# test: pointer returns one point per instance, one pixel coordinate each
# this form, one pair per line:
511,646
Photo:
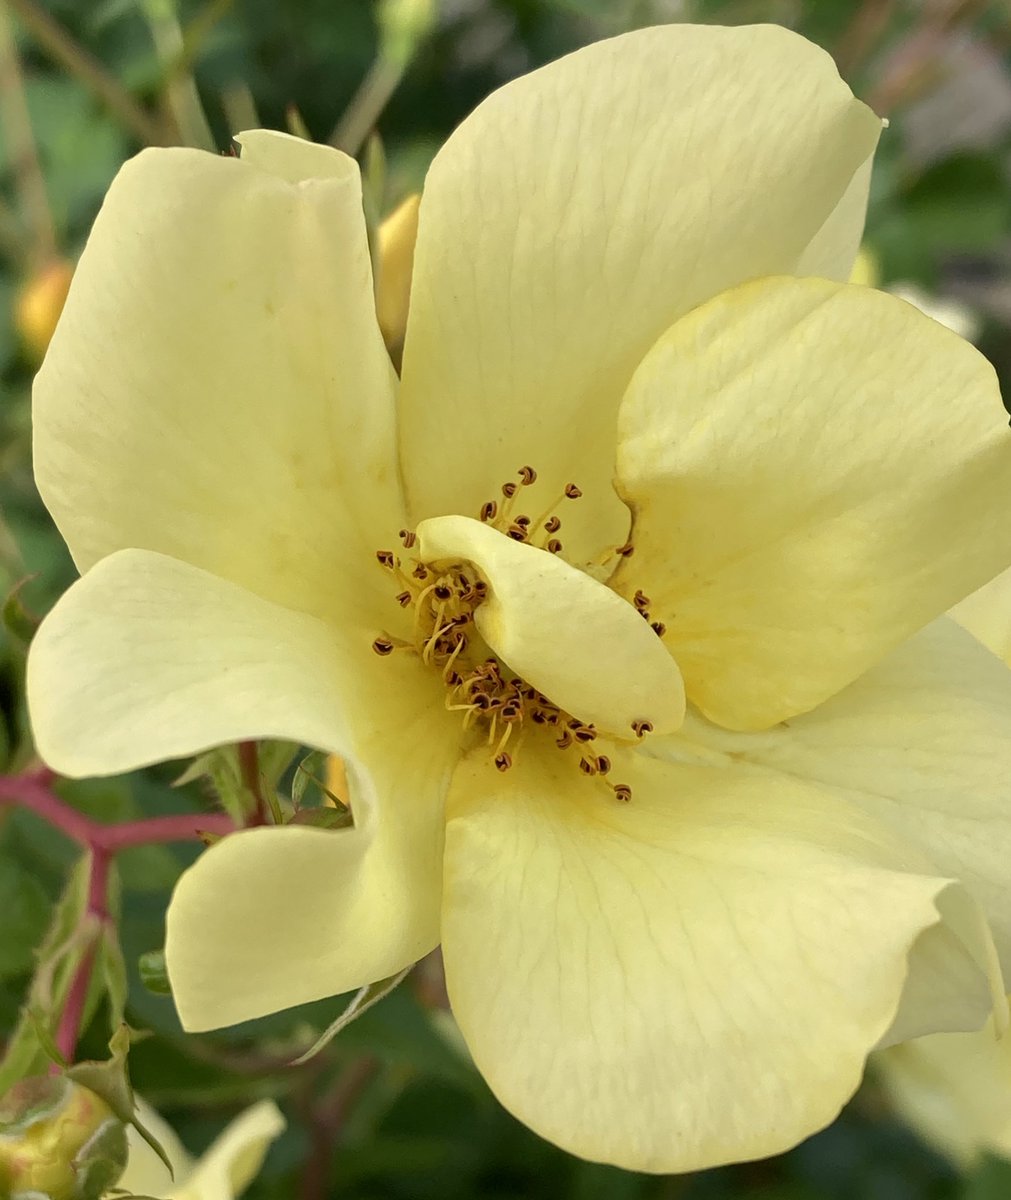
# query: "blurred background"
392,1108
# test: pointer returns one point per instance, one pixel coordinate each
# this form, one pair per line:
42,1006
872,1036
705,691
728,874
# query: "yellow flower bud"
39,304
58,1140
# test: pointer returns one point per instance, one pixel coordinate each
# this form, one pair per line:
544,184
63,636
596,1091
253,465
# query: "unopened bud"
58,1141
39,304
403,24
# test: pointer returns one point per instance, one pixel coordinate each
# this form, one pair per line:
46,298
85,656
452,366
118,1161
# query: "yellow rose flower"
646,715
223,1173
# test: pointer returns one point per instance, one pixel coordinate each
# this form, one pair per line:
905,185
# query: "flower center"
523,640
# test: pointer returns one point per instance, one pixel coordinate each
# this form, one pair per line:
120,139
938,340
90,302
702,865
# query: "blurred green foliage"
423,1123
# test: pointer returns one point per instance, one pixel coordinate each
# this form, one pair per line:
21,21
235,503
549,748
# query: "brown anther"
454,679
489,510
625,551
480,587
510,711
658,627
641,601
420,571
588,766
517,533
503,761
404,599
553,546
572,492
564,741
553,524
386,558
523,521
408,537
538,717
639,728
603,764
527,476
509,489
622,792
585,733
442,592
382,646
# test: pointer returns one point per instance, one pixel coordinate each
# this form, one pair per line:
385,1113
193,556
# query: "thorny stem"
33,791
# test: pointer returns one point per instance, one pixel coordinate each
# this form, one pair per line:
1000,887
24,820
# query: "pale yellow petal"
834,252
147,658
564,633
577,213
954,1089
397,235
987,615
814,469
921,743
232,1162
217,388
693,978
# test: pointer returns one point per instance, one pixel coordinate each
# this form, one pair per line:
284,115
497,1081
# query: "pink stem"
30,792
69,1029
33,791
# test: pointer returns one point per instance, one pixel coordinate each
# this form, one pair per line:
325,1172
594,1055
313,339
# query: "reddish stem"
34,792
69,1029
31,792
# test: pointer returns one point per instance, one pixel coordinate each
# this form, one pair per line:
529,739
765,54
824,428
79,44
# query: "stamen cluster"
444,598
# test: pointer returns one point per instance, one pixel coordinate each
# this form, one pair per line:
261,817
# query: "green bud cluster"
58,1141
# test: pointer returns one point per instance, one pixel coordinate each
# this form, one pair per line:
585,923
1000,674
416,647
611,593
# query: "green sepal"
111,1081
361,1002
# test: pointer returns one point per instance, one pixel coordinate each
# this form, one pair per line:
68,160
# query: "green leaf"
29,1050
18,619
362,1001
25,907
323,817
153,973
991,1180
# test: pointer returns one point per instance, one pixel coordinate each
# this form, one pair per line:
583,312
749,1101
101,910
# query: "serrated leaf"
323,817
362,1001
29,1050
26,910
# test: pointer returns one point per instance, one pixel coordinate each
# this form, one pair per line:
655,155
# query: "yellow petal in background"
218,388
222,1173
954,1089
813,469
693,978
397,235
569,636
577,213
